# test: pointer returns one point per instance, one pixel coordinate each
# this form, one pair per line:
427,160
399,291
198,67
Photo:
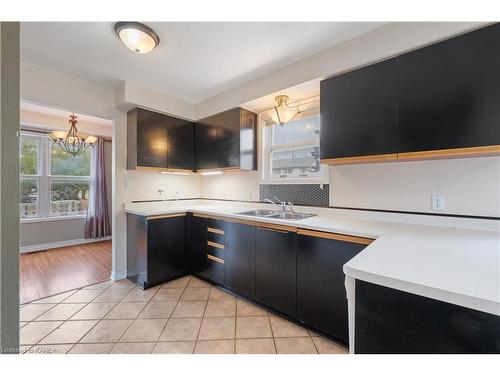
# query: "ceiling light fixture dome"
137,36
282,113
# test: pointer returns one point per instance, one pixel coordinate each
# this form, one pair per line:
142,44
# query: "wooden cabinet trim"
286,228
335,236
215,259
154,217
215,230
465,152
215,244
451,153
360,159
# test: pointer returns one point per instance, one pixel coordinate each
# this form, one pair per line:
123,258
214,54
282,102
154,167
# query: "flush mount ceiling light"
282,113
72,141
137,36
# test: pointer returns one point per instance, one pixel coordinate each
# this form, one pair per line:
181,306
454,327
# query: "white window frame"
45,178
266,177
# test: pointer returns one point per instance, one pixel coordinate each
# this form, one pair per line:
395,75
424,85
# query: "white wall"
59,90
381,43
145,185
231,185
469,186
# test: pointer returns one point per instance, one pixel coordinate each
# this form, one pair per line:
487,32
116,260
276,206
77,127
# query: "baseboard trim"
115,276
52,245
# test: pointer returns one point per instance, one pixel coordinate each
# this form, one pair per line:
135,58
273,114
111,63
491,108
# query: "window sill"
51,218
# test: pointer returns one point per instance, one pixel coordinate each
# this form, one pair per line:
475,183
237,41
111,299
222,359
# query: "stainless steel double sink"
272,214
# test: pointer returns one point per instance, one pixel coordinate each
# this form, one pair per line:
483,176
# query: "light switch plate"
438,202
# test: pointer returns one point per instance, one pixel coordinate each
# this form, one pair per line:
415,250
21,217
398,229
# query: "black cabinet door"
180,144
321,295
240,258
359,112
449,93
151,139
206,147
275,269
228,137
166,249
197,250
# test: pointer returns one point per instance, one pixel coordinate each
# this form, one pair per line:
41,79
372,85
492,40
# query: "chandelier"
72,141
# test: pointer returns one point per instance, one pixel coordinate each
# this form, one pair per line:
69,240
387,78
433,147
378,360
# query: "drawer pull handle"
275,230
215,259
214,230
215,244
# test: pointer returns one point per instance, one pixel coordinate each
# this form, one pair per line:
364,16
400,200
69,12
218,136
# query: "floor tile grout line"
199,329
131,324
170,316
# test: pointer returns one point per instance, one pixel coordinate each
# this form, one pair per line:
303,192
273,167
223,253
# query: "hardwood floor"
45,273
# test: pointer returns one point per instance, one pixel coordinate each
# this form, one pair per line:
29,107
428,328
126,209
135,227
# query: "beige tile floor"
183,316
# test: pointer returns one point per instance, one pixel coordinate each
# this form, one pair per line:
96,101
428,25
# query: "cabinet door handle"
275,230
215,259
215,230
215,244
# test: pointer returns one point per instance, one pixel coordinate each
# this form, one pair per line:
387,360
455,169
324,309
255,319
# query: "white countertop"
459,266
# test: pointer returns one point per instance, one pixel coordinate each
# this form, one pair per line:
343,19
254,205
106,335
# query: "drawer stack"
215,250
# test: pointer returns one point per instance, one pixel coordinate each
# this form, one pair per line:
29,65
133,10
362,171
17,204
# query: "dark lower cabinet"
197,251
155,249
275,269
206,259
240,258
321,294
390,321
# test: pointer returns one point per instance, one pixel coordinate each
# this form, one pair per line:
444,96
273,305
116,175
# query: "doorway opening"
64,203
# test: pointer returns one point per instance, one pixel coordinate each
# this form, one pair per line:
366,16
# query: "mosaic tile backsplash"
304,194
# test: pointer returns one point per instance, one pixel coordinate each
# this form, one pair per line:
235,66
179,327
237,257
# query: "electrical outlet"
438,202
176,195
247,195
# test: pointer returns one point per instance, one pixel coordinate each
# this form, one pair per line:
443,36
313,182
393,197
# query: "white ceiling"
194,61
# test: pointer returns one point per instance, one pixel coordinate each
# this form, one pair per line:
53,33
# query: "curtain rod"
39,131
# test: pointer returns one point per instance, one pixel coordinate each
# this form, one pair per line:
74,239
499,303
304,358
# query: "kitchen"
352,207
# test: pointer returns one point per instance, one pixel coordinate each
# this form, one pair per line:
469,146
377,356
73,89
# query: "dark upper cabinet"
205,147
159,141
359,112
146,139
321,294
449,93
227,140
180,144
275,269
240,258
156,250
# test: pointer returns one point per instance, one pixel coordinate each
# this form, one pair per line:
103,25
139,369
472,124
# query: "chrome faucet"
270,201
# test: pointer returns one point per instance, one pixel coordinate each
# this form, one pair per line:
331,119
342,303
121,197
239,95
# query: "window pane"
28,200
28,151
68,197
64,164
306,129
296,162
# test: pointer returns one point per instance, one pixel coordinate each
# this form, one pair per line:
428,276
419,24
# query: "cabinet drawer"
215,224
213,270
215,251
215,237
